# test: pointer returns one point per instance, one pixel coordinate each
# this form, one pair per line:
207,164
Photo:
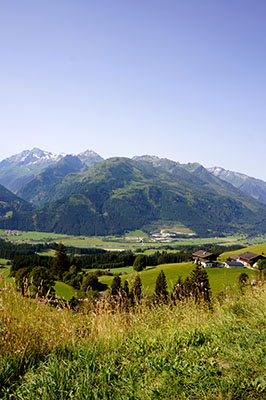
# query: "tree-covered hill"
120,194
11,205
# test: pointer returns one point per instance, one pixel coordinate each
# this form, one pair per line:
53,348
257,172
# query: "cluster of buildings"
12,233
241,260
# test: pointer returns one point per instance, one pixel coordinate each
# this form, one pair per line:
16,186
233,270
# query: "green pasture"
64,291
4,261
219,277
122,270
136,233
4,273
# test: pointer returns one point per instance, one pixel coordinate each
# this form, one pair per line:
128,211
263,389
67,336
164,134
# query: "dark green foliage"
60,261
161,293
72,277
120,194
243,279
104,260
10,203
197,285
30,262
140,263
116,286
261,265
90,283
41,281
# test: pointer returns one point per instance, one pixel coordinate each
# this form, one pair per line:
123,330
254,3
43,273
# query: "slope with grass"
219,278
164,352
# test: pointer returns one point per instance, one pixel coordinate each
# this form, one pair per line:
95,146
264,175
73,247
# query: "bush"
140,263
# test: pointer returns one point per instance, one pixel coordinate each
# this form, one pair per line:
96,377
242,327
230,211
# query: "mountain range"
86,195
21,168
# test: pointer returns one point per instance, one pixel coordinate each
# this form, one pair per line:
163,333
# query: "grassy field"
3,261
219,278
64,291
122,270
154,352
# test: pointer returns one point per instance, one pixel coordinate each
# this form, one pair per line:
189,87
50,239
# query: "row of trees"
196,285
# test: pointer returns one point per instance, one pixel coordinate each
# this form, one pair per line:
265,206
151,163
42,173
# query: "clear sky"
182,79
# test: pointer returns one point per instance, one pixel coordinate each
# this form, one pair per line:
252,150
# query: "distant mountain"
46,186
120,194
18,170
253,187
11,206
90,158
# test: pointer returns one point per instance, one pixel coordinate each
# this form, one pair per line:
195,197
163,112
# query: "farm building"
234,264
247,259
204,258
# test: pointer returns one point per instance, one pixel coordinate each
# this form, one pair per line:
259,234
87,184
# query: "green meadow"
219,278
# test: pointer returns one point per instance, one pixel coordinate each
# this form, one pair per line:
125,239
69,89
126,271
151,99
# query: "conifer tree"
60,261
199,285
161,292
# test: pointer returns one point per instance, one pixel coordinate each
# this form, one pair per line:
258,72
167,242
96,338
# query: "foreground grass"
158,352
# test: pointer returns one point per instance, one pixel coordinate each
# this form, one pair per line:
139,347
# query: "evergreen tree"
198,284
140,262
161,292
136,290
90,283
116,286
60,261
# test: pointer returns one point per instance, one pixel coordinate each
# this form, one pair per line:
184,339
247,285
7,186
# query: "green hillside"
11,205
120,195
219,277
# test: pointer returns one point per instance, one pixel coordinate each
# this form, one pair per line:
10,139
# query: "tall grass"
183,351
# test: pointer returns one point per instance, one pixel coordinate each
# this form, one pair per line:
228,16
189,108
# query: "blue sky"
184,80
